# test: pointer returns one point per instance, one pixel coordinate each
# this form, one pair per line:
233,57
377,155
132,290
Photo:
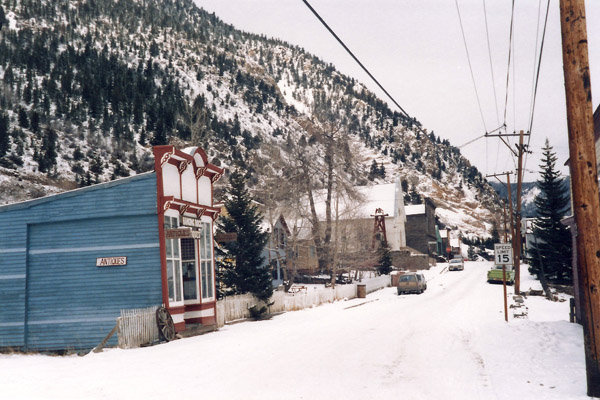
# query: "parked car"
412,282
495,274
456,264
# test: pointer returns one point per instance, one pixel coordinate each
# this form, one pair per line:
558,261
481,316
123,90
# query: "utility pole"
506,239
517,237
505,231
510,205
584,179
510,211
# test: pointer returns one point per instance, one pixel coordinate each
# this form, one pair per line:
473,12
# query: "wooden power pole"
584,179
516,228
505,228
517,236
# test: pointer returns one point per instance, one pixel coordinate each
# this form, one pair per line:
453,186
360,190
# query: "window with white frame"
189,269
174,281
206,261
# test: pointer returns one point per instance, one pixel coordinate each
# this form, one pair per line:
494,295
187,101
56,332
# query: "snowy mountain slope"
530,192
89,86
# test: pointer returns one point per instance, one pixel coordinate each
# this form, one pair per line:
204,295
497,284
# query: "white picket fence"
235,308
137,326
377,283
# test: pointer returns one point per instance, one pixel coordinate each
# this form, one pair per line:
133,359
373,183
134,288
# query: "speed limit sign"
503,254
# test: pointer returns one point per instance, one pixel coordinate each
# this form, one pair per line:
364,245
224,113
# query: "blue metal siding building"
52,294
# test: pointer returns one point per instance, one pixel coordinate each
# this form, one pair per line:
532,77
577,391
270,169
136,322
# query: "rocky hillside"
87,86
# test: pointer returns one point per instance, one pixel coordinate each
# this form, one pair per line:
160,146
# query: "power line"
537,79
535,53
470,67
417,126
487,33
355,58
512,18
539,64
510,61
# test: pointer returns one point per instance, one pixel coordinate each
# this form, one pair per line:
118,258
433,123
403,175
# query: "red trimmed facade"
185,181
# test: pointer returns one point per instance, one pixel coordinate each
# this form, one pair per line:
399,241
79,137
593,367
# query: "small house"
275,252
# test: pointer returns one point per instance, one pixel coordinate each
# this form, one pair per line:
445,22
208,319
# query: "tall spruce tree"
243,270
551,252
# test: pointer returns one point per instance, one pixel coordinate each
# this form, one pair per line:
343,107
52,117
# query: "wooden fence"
235,308
137,326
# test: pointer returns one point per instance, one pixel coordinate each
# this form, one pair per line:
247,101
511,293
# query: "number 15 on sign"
503,254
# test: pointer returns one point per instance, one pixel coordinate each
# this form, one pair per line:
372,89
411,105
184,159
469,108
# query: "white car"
456,264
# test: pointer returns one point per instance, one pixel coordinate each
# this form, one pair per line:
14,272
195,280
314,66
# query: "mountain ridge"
90,85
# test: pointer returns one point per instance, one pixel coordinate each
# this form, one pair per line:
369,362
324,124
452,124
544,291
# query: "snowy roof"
388,197
415,209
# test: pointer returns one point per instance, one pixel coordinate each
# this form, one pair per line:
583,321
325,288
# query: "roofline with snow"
75,192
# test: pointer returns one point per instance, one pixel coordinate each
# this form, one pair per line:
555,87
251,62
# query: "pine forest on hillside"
88,86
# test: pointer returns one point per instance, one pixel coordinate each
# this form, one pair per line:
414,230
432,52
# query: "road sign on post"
503,254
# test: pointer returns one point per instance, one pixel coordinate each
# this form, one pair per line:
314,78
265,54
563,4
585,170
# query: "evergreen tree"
384,259
243,270
471,253
2,17
48,153
551,252
374,171
97,168
495,234
415,197
4,135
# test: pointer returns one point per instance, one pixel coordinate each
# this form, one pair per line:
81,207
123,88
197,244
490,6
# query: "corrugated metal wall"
52,294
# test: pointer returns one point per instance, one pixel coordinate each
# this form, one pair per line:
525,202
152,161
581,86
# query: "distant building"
421,227
275,252
355,224
528,237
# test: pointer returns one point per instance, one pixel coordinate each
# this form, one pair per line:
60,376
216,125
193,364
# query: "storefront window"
206,261
188,261
173,264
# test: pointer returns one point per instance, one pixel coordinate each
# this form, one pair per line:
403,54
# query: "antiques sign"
182,233
110,261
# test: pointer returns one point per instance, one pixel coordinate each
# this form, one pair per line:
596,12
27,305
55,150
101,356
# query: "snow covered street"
450,342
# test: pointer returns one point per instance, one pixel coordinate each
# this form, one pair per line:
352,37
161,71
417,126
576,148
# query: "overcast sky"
416,51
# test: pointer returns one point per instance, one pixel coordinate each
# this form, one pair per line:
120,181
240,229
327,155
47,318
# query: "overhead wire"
537,79
470,66
535,55
355,58
487,34
508,75
512,17
510,61
316,14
